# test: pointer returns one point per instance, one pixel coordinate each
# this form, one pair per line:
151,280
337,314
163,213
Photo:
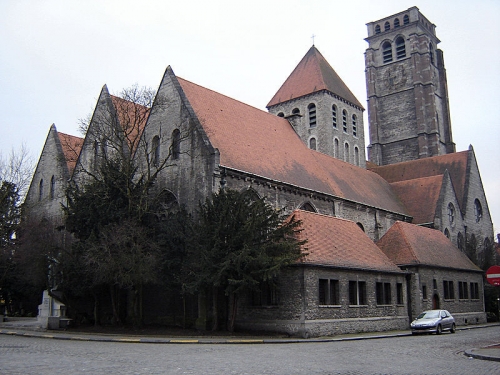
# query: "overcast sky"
55,56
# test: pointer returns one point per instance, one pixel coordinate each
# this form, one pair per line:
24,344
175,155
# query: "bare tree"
17,169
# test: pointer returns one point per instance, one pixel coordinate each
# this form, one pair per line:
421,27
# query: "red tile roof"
420,197
132,118
412,245
455,163
340,243
313,74
71,147
262,144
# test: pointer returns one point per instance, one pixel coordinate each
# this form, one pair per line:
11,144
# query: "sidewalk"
31,328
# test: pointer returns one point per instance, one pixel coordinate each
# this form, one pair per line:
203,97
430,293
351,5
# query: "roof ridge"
405,239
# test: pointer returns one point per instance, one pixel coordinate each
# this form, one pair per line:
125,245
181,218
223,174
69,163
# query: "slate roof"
455,163
266,145
420,197
313,74
412,245
340,243
71,147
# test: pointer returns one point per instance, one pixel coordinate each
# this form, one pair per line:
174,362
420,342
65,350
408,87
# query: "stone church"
387,237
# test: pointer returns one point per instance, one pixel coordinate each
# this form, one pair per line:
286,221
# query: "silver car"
433,321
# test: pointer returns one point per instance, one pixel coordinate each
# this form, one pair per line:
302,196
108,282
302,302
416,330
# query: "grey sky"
55,56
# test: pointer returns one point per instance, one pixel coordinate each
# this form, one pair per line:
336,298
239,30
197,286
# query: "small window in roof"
295,111
387,52
400,48
361,226
307,207
387,26
396,22
406,19
312,115
447,233
377,29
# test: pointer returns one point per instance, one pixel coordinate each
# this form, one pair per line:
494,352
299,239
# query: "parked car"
433,321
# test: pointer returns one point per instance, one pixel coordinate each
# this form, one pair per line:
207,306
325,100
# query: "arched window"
52,187
155,151
96,153
377,29
406,20
312,115
478,210
295,111
387,26
176,144
336,148
460,241
431,52
344,121
334,116
361,226
354,126
400,48
396,22
312,143
447,233
356,156
451,214
387,52
281,114
346,152
40,190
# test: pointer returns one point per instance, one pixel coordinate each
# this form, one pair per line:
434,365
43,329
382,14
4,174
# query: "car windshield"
429,315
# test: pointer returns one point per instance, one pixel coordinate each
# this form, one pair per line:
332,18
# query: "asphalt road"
429,354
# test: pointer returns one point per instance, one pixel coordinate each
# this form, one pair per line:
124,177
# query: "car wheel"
453,328
439,329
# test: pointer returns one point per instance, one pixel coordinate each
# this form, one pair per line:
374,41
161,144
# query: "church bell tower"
408,107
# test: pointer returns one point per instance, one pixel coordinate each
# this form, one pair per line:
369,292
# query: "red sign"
493,275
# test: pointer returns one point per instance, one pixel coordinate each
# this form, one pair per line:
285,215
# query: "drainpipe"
409,300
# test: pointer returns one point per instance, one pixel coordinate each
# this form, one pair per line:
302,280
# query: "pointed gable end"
412,245
313,74
340,243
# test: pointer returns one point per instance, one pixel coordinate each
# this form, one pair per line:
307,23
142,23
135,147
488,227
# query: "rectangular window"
424,291
399,294
383,293
329,292
463,290
449,291
357,293
474,290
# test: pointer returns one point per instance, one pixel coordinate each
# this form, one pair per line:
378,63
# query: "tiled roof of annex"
262,144
455,163
412,245
313,74
339,243
420,197
71,147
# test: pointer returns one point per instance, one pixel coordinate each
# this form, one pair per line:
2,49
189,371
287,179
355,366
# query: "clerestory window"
354,126
344,121
334,116
377,29
387,26
312,143
396,23
406,19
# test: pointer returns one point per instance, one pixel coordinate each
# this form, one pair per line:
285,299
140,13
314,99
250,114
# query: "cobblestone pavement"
429,354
